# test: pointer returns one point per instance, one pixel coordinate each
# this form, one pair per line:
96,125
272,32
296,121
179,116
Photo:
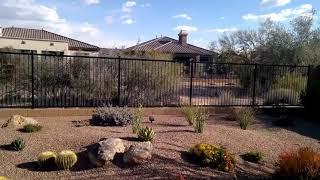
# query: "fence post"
119,80
254,85
310,67
191,79
32,80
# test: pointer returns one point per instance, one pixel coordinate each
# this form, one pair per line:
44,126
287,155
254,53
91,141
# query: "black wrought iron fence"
39,80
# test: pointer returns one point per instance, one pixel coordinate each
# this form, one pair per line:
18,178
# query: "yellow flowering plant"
212,156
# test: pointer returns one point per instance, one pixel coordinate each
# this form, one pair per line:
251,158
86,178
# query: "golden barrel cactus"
66,159
47,159
3,178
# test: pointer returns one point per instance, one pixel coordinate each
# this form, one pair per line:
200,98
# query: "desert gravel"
173,137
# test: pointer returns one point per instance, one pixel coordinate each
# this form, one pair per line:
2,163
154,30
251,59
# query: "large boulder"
17,122
105,151
138,153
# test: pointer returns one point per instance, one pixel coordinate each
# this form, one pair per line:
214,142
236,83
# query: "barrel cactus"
66,159
146,134
18,144
3,178
47,159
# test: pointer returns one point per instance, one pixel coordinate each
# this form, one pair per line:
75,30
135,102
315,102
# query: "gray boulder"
138,153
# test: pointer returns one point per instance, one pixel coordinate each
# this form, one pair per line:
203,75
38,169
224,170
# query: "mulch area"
173,138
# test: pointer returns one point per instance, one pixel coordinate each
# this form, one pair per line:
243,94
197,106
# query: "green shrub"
66,159
151,81
189,113
212,156
278,97
112,116
245,116
47,159
199,120
30,128
146,134
312,95
137,119
18,144
294,81
253,156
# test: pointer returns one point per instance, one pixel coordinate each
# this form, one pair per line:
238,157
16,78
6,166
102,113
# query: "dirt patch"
173,138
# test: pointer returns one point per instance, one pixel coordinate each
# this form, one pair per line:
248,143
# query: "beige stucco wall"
37,45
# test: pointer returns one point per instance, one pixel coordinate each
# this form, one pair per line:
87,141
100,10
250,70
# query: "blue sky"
113,23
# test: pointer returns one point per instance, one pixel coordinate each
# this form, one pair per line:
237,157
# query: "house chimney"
183,37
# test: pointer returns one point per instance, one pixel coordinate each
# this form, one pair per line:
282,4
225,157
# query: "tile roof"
40,34
167,44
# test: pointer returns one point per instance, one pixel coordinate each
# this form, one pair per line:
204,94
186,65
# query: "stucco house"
181,49
44,42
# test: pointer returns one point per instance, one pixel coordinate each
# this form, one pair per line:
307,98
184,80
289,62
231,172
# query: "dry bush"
244,115
301,164
189,113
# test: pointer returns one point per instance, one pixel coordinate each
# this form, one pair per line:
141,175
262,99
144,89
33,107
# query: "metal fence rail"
39,80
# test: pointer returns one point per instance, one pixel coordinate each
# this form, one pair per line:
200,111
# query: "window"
27,51
52,52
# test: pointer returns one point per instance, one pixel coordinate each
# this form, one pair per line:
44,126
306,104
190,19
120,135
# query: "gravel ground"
173,137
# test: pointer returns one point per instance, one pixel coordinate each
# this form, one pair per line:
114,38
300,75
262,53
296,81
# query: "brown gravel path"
173,137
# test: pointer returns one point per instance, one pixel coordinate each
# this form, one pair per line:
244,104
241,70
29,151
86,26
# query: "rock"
138,153
105,151
17,122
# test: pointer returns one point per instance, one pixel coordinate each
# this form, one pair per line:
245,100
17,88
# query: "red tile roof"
38,34
167,44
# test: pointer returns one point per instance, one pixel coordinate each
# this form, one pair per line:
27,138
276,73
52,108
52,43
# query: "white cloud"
182,16
283,15
28,10
109,19
127,6
29,14
185,27
128,21
274,3
90,2
221,30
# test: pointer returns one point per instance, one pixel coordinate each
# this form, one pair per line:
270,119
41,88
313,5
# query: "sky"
118,23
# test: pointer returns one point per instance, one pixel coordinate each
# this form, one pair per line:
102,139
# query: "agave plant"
146,134
18,144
